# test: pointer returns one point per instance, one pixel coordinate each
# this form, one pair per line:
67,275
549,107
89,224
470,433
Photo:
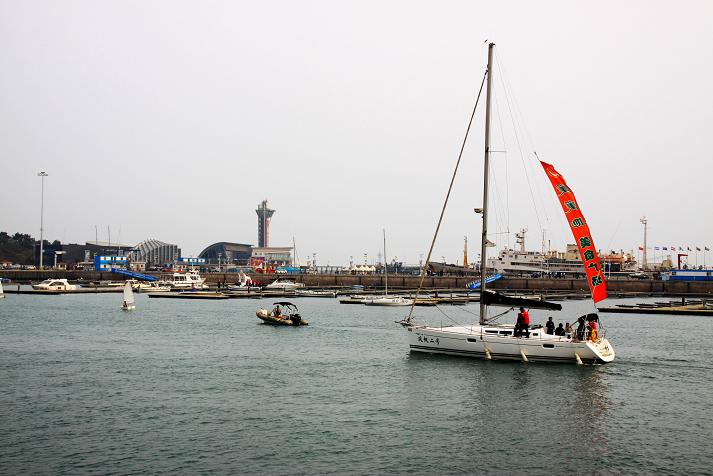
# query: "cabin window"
535,334
548,346
505,333
490,331
472,339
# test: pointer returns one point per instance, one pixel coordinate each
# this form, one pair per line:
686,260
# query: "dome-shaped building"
225,252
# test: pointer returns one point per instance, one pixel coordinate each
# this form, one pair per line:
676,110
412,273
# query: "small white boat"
128,304
54,285
2,293
389,301
315,293
148,287
284,285
188,280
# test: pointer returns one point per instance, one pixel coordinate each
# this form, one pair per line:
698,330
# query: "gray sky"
173,120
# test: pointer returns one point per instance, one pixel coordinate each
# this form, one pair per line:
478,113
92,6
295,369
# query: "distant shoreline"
621,287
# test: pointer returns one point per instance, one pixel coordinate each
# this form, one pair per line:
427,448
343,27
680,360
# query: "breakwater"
635,286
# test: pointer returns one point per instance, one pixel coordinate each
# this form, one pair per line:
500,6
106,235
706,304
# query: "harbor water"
186,386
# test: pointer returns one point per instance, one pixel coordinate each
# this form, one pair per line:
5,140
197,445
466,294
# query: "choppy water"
201,386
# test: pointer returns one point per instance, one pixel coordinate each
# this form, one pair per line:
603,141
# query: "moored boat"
284,285
54,285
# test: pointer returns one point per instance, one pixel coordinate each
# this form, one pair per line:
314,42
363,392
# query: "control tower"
263,224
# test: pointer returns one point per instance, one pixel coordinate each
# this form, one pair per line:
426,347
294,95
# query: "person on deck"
550,326
567,328
276,311
523,318
592,328
580,328
560,330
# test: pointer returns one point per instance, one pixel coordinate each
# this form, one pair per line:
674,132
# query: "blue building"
107,263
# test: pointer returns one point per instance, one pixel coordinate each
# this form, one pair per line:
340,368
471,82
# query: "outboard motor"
296,319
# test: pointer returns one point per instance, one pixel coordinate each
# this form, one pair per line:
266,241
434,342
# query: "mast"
484,237
386,269
644,265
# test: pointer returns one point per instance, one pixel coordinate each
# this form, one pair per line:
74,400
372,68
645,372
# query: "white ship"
523,262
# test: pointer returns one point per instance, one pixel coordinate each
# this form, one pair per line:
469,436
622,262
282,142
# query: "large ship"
533,263
520,262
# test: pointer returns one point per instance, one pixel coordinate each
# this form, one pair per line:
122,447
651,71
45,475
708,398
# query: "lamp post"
42,175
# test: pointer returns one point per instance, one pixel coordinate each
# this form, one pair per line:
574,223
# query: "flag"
680,248
580,230
656,247
641,248
698,249
665,249
707,249
688,248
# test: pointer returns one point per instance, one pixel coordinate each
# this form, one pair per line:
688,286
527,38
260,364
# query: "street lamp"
42,213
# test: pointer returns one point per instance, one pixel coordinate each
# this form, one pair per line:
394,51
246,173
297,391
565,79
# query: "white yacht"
54,285
284,285
187,280
491,340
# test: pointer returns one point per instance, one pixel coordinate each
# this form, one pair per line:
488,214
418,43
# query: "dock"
40,292
189,295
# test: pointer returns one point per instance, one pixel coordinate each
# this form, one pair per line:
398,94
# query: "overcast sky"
173,120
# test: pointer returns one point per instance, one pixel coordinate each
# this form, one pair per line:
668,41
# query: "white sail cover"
128,294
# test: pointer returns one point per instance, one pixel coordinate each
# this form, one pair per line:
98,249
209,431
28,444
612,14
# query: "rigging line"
449,317
500,208
564,230
519,146
614,234
520,124
495,193
507,180
520,118
448,194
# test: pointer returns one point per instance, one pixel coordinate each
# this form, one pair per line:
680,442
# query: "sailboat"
490,340
128,304
387,300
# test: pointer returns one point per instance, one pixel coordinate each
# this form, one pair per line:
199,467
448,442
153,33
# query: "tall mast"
386,269
484,237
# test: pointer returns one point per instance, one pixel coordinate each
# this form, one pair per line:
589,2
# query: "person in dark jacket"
550,326
560,330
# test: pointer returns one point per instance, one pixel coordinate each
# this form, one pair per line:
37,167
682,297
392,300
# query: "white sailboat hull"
388,301
493,343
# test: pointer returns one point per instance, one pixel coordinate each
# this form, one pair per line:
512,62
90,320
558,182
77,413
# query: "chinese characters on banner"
580,230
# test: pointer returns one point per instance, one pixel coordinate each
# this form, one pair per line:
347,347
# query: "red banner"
580,230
